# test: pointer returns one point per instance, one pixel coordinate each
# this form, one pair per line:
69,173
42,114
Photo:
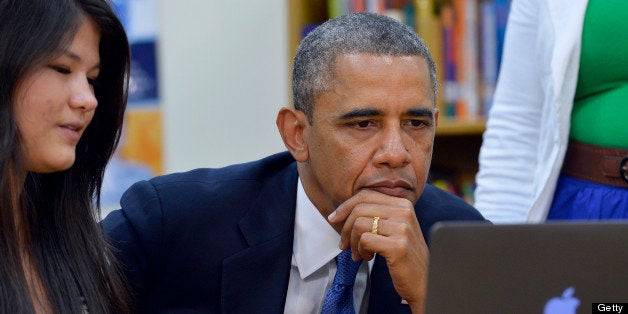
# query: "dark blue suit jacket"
220,240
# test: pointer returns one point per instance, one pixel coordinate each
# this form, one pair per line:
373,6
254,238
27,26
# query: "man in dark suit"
262,237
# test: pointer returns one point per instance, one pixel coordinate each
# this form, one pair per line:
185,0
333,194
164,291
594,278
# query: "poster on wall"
139,155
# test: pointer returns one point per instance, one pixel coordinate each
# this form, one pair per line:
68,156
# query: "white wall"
223,70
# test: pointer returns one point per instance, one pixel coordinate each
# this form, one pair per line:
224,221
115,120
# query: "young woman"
64,67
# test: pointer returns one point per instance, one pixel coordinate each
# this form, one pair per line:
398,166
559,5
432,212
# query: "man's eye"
418,123
363,124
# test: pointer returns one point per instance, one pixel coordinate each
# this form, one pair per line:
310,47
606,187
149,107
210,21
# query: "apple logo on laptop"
565,304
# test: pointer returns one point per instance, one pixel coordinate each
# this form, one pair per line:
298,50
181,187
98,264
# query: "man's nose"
393,151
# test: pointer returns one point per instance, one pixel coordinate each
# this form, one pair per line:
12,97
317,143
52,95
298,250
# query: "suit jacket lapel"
383,298
256,279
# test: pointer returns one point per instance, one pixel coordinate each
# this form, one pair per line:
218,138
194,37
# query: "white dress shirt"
313,262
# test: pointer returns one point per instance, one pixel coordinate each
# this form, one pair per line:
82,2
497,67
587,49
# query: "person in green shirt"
556,144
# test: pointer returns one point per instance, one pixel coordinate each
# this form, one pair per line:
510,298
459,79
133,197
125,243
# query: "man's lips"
398,188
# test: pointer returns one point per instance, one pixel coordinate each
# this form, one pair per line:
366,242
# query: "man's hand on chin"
398,238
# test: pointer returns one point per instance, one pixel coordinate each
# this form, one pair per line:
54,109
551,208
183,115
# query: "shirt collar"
315,241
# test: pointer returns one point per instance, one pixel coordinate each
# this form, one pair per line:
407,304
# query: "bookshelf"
448,127
462,120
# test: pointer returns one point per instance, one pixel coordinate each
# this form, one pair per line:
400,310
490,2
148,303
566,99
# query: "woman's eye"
60,69
92,81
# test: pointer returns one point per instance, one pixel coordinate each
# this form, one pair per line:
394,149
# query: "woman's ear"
290,123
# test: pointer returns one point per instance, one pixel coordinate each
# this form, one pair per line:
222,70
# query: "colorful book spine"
428,26
334,8
409,14
358,5
450,85
469,103
488,61
376,6
502,8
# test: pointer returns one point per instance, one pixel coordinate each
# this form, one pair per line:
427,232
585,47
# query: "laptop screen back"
527,268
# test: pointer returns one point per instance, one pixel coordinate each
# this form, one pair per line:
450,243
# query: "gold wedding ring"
375,225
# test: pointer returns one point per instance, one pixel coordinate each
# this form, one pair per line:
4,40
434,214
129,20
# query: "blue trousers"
583,200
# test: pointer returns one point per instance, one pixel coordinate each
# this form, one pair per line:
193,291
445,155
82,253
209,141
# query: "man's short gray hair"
350,34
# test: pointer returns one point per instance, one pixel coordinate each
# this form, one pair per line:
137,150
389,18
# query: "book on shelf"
471,38
466,58
494,16
488,61
502,8
401,10
448,77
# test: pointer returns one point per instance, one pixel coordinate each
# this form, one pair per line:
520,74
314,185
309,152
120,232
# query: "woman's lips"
71,131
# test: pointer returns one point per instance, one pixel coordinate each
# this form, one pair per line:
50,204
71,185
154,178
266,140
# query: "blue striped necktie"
339,299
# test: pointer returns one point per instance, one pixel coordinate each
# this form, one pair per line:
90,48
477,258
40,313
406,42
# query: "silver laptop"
561,267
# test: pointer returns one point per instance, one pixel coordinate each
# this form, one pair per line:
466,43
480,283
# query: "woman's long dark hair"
52,217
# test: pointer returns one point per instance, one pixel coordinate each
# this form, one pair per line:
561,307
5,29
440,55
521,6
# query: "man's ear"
291,123
436,111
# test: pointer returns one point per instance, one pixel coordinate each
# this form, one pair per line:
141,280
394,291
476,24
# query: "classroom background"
208,77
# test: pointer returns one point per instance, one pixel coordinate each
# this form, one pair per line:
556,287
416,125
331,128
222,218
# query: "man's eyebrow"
361,113
420,112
